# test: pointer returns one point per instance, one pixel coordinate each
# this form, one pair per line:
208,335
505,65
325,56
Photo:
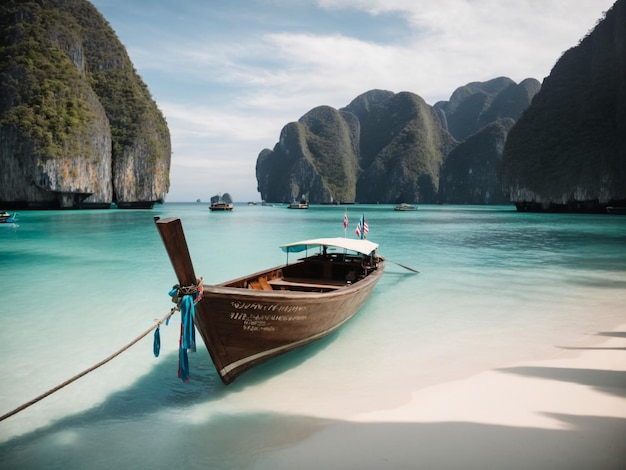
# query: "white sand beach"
563,412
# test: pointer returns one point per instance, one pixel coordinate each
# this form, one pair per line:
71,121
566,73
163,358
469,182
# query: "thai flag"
345,219
362,227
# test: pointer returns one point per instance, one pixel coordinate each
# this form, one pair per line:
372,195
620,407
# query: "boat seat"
285,284
260,284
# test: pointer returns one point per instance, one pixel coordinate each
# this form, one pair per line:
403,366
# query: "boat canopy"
359,245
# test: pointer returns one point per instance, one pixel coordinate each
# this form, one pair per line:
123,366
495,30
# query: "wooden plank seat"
286,283
260,284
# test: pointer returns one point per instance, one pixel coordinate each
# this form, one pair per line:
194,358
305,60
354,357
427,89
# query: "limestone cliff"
402,148
477,104
470,172
387,147
568,150
316,157
77,125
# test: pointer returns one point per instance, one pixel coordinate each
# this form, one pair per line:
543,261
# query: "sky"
229,74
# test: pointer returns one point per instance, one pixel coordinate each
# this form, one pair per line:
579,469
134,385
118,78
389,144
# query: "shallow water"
495,287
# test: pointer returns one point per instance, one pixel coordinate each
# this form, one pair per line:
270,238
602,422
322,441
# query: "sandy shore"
567,412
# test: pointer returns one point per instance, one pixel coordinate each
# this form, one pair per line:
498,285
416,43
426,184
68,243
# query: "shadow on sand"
160,389
275,441
612,382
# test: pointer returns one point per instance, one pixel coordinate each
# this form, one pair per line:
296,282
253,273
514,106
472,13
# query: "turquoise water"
495,287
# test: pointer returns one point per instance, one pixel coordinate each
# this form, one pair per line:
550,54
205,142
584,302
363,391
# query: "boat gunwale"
225,289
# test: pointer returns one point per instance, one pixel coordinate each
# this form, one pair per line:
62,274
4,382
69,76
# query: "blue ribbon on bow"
156,346
187,333
188,336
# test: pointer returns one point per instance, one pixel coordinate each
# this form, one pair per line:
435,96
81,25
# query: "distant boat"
405,207
7,218
303,204
254,318
221,202
616,210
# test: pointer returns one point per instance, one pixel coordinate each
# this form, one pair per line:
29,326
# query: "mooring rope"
91,369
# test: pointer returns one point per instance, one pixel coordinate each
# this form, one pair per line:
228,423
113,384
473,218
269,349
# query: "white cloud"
206,122
478,39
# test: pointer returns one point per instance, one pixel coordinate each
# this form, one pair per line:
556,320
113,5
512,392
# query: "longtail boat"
254,318
7,218
221,203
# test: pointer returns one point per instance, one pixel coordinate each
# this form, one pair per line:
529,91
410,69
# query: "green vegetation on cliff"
469,174
383,147
402,147
387,147
570,144
70,95
329,137
43,92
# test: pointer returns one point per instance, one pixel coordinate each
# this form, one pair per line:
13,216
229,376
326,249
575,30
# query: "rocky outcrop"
27,181
402,148
391,148
477,104
316,157
470,172
77,125
568,150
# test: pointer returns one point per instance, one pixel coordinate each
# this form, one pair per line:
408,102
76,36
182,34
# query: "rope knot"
178,292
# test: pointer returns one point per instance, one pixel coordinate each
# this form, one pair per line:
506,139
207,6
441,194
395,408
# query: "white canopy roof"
354,244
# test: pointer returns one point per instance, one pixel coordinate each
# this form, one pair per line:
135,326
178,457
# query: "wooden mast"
171,231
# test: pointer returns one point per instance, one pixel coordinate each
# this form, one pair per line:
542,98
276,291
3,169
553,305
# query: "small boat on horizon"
221,202
405,207
254,318
303,204
621,210
7,218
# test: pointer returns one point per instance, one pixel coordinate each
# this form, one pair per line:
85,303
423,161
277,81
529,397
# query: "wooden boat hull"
7,218
221,207
221,203
404,207
250,320
243,327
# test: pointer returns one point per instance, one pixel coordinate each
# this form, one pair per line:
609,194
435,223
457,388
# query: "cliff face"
470,172
382,147
77,125
391,148
316,157
568,150
480,115
83,168
402,148
477,104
